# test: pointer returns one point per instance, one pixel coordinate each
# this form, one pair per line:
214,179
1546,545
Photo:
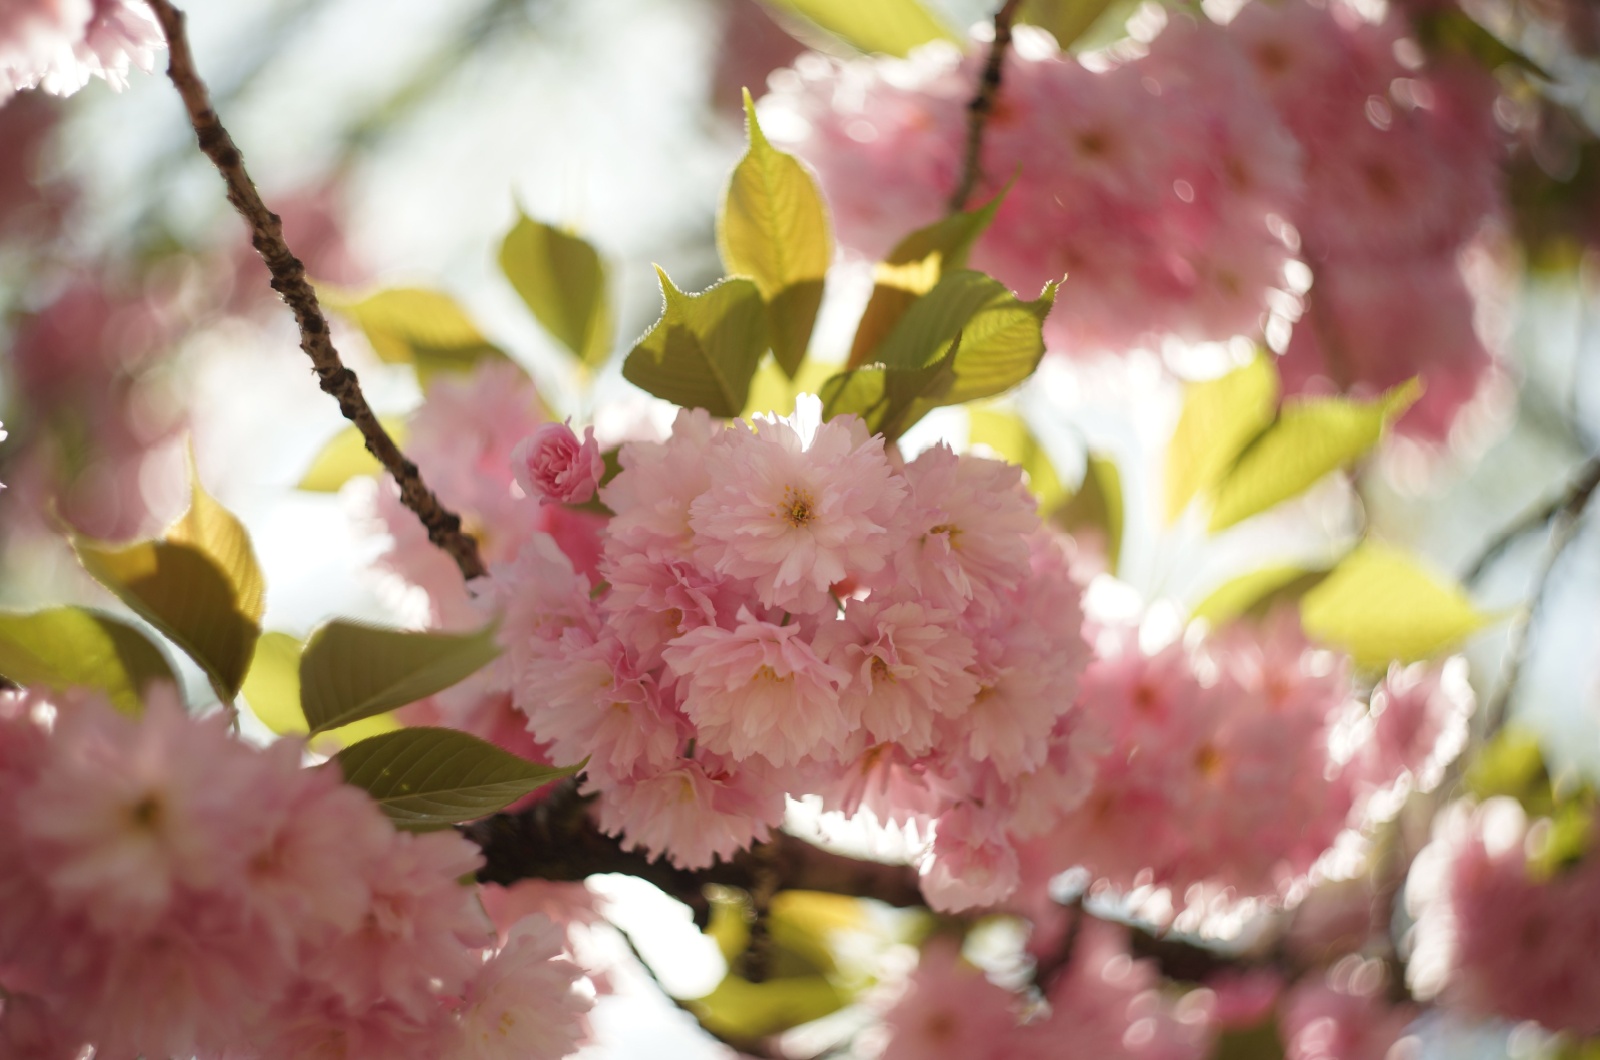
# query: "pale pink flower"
1414,727
58,45
1492,937
652,601
951,1012
971,863
658,482
30,1031
1345,1016
524,1003
794,515
695,812
968,531
316,1024
552,464
759,689
907,664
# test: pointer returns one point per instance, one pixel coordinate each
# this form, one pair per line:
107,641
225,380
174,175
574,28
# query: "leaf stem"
289,280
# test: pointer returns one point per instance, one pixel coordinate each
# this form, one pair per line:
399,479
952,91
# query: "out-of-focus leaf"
562,280
1260,1042
773,228
803,925
1096,510
426,329
1258,592
1068,20
740,1010
704,350
183,593
345,457
210,528
350,671
1220,417
892,27
774,393
729,926
1008,435
1563,839
1379,605
64,647
1512,764
1310,438
912,269
431,778
889,400
1448,31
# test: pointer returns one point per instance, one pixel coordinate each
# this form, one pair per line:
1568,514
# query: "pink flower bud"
552,464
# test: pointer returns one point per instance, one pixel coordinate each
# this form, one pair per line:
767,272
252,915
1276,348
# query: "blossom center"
797,508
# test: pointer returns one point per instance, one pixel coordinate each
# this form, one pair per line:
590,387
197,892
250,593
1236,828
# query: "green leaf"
1563,839
426,329
562,279
213,530
1512,764
704,350
1008,435
1258,1042
740,1010
272,692
888,399
1311,438
183,593
431,778
773,229
892,27
1220,417
912,269
346,457
1258,592
774,393
1455,33
351,671
66,647
1097,508
1067,20
1380,606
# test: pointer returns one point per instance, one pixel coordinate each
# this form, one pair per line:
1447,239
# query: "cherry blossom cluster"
167,890
1497,938
785,607
1101,1004
1174,181
1239,760
58,45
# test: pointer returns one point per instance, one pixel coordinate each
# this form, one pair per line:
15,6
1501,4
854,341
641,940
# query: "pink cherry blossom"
694,812
950,1011
58,45
523,1004
1345,1016
796,515
658,481
552,464
971,863
759,689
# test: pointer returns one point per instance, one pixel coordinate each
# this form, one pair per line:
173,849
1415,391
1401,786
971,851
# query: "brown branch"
1573,499
983,103
289,280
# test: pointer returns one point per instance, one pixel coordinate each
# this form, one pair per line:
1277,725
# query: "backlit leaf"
1008,435
183,593
215,531
773,228
1379,605
1311,438
423,328
1096,509
431,778
892,27
1258,592
272,692
64,647
346,457
350,671
740,1010
1220,417
1070,21
912,269
703,351
889,400
562,279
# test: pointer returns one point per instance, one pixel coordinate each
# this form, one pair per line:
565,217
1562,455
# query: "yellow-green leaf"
1257,592
912,269
431,778
1096,508
67,647
210,528
1311,438
1563,839
1220,417
740,1010
773,229
889,400
1379,605
350,671
892,27
562,279
774,393
346,457
183,593
1512,764
703,351
426,329
1008,435
272,692
1069,21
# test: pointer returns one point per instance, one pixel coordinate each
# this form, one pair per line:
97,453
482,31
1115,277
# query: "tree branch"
1572,499
982,106
289,280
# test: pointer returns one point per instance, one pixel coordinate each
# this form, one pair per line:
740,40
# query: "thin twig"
1573,498
289,280
982,106
1567,519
